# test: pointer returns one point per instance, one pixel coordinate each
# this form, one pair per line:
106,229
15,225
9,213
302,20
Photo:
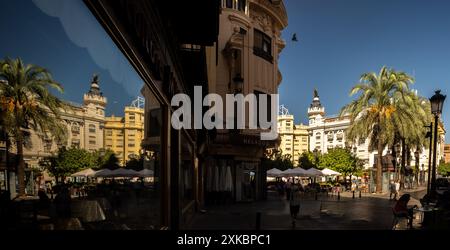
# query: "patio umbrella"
287,173
274,172
216,179
314,172
222,179
146,173
104,173
126,173
299,172
229,180
329,172
84,173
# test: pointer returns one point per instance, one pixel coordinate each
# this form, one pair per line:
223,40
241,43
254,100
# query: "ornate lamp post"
429,135
238,84
417,170
437,103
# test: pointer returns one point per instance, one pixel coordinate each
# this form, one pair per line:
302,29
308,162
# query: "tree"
276,159
371,112
67,162
410,127
105,158
444,169
136,164
307,160
342,161
27,103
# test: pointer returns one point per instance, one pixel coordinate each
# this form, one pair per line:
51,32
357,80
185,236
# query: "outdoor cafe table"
88,211
425,212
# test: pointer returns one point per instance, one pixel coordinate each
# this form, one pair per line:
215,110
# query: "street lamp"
437,103
429,135
417,174
238,83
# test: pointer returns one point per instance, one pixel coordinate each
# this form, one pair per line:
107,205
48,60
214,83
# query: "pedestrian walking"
397,189
294,203
288,189
392,191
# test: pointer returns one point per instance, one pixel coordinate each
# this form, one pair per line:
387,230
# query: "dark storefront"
164,41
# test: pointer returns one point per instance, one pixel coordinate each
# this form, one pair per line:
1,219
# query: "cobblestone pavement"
370,212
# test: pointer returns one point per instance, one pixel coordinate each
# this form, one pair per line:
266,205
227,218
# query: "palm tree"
410,125
371,112
29,104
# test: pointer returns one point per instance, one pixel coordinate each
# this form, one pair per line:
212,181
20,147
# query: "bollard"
360,194
353,196
339,196
258,221
316,195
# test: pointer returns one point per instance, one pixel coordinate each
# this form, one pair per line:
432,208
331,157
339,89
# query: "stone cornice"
240,19
278,12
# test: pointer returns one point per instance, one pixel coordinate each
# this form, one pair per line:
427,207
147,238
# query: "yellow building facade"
124,135
293,138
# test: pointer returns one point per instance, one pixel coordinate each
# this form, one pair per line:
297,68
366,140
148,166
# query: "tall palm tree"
372,110
410,125
29,105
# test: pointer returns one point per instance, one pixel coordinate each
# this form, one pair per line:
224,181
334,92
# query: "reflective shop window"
68,41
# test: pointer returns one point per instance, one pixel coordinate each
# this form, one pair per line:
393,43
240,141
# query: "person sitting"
401,209
44,200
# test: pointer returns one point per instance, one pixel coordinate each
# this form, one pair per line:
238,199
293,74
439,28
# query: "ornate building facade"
328,132
85,124
244,60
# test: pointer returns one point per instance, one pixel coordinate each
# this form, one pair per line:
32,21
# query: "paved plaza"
370,212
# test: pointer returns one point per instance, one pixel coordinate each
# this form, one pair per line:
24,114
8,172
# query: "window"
131,145
362,141
229,4
241,5
92,128
75,130
75,143
304,139
263,46
269,107
108,132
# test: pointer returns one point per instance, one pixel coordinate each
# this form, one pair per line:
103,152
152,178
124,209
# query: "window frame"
259,49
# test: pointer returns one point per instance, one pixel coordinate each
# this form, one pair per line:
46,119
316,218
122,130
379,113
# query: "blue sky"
65,38
338,41
341,39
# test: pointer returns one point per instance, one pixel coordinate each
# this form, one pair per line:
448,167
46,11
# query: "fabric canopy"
314,172
84,173
122,172
329,172
146,173
103,173
294,172
274,172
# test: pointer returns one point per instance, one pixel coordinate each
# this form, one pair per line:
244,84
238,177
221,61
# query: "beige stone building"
293,138
124,135
245,61
85,124
447,153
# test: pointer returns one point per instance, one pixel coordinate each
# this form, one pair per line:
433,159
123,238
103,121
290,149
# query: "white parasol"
84,173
